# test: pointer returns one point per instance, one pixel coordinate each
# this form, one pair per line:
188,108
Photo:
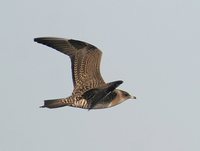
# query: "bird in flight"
90,90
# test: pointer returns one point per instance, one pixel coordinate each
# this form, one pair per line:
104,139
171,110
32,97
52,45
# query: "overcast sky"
152,45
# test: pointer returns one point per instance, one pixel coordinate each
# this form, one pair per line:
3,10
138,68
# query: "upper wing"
85,61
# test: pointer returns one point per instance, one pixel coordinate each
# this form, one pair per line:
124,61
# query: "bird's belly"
103,105
100,106
83,103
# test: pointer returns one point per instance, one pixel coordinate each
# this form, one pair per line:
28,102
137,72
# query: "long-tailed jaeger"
90,90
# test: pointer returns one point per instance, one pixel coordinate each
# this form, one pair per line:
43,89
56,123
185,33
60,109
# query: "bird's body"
90,90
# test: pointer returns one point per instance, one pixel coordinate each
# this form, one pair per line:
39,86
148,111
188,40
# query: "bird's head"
126,95
123,95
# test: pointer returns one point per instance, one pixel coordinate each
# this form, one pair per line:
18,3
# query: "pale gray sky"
153,46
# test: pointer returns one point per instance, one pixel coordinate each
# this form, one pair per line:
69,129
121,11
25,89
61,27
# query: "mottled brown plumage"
90,90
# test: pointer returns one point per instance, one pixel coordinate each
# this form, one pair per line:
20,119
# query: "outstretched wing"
85,61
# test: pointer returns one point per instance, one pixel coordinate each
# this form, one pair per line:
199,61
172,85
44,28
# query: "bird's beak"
133,97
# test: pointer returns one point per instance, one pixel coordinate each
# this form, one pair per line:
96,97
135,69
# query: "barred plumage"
90,90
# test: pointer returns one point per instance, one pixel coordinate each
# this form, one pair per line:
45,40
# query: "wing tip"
36,39
39,39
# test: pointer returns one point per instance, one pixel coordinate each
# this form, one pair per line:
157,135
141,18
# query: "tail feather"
55,103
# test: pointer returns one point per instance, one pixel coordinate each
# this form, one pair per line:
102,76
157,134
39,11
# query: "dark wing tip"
75,43
41,39
119,81
35,39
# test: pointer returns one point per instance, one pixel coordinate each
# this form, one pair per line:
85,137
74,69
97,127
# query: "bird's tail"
54,103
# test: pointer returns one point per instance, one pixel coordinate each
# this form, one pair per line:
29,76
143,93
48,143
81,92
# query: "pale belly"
84,104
